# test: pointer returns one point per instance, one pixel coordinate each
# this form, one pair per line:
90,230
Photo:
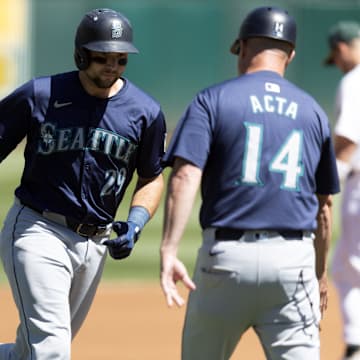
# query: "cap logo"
279,29
116,30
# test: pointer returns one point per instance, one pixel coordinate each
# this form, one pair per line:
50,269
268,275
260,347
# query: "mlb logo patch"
272,87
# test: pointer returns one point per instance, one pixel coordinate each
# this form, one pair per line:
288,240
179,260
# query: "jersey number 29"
114,182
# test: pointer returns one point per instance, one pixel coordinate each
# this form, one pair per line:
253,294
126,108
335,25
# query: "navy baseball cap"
343,31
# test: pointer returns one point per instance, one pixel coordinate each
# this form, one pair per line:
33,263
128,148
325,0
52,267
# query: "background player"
261,148
87,132
344,42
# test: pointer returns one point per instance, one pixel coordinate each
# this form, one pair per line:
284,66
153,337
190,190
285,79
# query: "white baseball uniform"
346,259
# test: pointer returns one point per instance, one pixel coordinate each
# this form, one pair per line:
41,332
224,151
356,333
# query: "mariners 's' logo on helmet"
279,29
116,29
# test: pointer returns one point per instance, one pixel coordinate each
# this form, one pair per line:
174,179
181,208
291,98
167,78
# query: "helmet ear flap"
81,58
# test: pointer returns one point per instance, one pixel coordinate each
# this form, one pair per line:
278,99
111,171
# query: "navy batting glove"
128,233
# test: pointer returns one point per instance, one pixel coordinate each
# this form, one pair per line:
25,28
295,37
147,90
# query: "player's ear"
291,56
242,48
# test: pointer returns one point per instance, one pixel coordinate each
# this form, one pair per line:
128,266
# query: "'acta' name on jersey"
69,139
274,104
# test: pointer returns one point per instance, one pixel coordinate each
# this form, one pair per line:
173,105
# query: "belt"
232,234
86,230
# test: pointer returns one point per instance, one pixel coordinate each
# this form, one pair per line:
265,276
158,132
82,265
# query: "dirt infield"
132,322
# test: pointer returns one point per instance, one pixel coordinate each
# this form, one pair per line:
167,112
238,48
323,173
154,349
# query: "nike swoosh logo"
58,105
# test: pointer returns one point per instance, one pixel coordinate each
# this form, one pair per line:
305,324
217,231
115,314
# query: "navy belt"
86,230
232,234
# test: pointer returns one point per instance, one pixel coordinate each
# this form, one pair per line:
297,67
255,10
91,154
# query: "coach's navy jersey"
81,151
265,149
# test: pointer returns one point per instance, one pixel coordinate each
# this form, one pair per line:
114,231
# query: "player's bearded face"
106,68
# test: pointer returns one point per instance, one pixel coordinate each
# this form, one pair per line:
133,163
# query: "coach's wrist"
168,250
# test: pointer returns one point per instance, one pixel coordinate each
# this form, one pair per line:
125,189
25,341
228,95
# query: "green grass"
10,173
143,264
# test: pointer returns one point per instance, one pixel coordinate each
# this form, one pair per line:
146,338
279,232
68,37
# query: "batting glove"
128,233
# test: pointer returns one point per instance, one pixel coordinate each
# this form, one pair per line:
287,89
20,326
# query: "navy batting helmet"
269,22
103,30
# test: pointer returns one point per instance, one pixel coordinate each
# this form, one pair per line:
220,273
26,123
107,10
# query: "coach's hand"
173,270
128,233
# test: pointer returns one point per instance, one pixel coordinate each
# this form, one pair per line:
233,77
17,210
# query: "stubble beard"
104,84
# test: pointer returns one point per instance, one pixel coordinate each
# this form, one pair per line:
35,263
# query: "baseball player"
87,132
261,149
344,42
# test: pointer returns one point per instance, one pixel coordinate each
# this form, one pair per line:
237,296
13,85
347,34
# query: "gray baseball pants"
53,274
261,280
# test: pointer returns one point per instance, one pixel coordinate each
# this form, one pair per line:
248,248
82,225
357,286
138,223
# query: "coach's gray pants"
261,281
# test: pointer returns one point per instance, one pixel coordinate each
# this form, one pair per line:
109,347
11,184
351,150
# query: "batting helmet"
269,22
103,30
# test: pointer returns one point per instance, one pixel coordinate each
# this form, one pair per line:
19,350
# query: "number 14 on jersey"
287,161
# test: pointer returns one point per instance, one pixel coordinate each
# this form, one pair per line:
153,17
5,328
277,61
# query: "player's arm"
181,192
15,118
147,193
145,201
322,243
344,149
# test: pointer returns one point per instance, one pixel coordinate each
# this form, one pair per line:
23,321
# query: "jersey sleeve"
192,136
152,148
15,118
327,179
